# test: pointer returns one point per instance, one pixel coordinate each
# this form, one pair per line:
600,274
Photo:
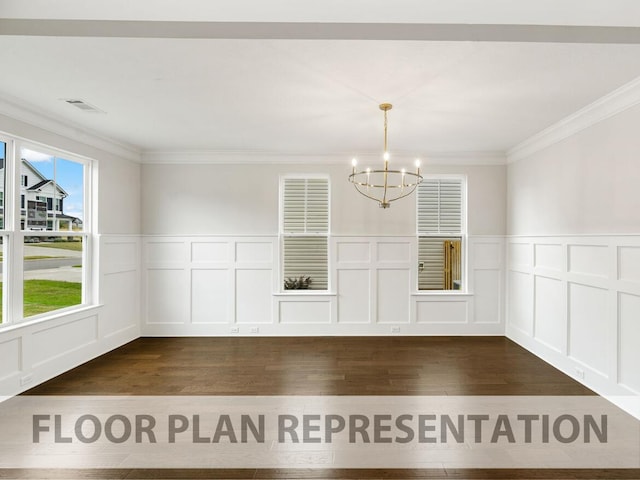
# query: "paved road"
61,268
51,263
48,264
34,250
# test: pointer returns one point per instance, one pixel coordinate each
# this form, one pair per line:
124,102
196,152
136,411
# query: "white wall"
211,257
574,255
34,352
585,184
243,200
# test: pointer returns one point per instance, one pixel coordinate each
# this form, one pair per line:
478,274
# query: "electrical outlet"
395,329
255,330
235,329
580,373
26,379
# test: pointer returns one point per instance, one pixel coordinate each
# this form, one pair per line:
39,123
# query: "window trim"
463,234
282,234
14,236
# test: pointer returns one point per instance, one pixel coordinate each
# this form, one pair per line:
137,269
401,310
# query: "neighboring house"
41,201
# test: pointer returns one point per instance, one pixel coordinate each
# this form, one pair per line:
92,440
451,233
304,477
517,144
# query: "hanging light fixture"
385,186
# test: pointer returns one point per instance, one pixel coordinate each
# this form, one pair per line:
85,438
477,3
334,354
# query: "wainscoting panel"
584,293
72,335
210,296
226,285
354,290
629,264
11,356
253,296
521,301
488,296
165,253
253,252
353,252
205,253
550,322
120,289
589,260
549,256
443,312
173,306
520,255
588,327
121,299
394,252
393,290
305,311
629,340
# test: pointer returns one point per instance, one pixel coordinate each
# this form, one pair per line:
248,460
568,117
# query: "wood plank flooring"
317,366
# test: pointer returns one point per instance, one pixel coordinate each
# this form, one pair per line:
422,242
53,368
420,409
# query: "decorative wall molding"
265,157
611,104
575,302
20,111
224,285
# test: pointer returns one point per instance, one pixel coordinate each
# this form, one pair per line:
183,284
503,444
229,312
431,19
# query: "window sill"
442,293
46,317
304,293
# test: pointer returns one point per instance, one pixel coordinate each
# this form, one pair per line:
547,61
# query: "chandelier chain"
386,149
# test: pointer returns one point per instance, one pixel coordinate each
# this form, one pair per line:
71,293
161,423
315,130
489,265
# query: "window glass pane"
53,192
3,157
305,263
2,294
439,263
69,208
52,273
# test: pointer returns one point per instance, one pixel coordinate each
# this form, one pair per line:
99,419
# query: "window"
441,233
24,181
304,229
53,263
3,156
51,247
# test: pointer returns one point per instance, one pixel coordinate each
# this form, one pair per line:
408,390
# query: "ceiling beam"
320,31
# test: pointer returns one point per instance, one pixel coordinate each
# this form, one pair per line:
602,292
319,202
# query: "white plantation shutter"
306,205
439,218
305,229
440,206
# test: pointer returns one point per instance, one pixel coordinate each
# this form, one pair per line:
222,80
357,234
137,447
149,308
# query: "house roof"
44,180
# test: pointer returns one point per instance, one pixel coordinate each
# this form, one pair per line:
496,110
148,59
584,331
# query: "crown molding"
605,107
22,112
270,158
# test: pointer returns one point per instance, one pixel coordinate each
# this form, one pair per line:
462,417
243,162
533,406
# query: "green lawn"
75,246
42,296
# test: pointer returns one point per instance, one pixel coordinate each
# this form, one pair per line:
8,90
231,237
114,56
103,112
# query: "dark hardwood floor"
317,366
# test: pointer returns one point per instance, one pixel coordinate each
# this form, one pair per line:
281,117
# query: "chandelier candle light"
385,186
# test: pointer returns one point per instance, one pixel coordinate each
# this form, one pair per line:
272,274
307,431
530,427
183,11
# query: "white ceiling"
301,96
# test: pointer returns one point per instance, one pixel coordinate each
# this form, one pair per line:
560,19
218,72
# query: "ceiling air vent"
82,105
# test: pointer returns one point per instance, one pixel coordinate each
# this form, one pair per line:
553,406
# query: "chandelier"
385,186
